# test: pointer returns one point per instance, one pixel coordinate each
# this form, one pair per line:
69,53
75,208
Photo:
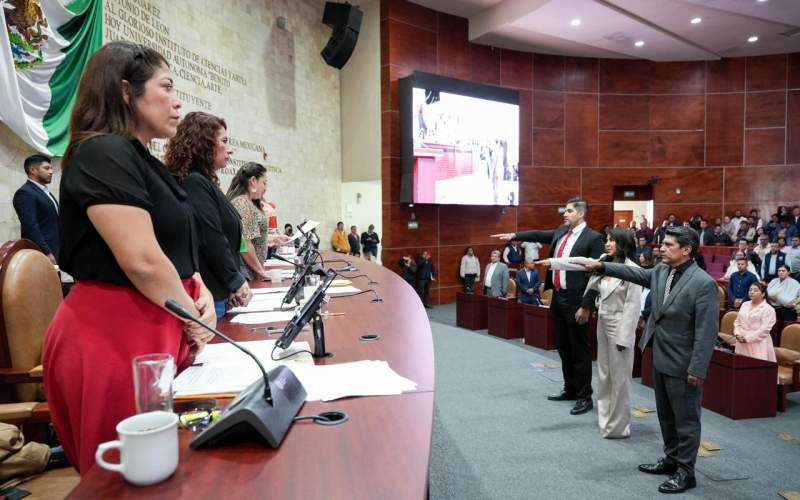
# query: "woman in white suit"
618,307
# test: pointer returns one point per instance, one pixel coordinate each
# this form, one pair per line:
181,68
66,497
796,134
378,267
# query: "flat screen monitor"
459,142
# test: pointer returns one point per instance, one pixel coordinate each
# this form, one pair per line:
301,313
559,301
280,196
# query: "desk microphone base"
249,418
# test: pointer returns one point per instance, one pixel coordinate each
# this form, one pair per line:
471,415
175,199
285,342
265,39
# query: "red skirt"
88,374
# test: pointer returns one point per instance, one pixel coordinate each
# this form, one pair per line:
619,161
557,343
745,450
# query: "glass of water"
152,382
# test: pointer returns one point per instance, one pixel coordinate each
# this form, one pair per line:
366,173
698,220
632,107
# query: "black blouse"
220,230
113,170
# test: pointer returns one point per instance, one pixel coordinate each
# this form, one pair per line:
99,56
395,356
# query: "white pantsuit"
618,310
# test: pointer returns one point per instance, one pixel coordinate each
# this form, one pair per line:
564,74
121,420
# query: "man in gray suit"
682,329
495,278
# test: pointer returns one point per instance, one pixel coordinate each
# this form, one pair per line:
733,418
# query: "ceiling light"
575,22
696,20
761,1
639,43
752,39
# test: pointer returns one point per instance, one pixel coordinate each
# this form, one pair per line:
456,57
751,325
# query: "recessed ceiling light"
575,22
752,39
696,20
639,43
761,1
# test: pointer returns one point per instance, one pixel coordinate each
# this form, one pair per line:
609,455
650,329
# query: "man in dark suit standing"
37,208
569,308
682,328
426,272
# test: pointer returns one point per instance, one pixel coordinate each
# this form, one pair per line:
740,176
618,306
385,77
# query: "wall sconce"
678,190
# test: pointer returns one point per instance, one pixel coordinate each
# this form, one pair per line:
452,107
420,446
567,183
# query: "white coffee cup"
148,446
276,275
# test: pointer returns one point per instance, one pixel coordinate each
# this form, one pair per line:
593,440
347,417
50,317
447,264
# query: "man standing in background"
426,272
495,277
339,239
369,243
37,208
354,242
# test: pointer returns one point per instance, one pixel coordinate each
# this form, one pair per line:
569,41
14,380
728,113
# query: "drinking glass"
152,382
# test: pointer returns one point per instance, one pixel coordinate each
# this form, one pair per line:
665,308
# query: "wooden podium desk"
537,328
381,452
735,386
471,311
505,318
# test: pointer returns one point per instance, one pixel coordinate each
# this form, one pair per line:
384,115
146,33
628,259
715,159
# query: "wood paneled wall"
727,133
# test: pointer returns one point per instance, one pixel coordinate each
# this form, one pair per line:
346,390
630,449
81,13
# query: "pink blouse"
754,324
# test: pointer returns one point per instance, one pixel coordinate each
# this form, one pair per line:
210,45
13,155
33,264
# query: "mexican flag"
44,45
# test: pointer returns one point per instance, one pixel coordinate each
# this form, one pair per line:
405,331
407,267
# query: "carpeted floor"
496,436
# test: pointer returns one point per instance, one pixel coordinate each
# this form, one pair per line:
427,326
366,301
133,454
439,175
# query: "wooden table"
735,386
381,452
505,318
740,386
471,311
536,326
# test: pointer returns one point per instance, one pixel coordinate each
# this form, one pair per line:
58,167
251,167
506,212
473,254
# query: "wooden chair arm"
796,374
21,375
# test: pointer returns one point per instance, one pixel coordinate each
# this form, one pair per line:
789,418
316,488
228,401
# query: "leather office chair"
30,293
512,289
788,356
547,296
726,326
723,298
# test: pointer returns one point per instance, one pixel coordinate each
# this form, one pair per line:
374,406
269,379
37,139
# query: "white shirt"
576,232
784,292
487,281
732,269
46,192
531,250
791,255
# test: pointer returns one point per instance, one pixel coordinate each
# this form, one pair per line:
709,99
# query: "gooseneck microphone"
256,414
181,311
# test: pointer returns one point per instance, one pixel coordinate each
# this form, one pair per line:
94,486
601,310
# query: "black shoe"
678,483
428,307
562,396
582,406
660,467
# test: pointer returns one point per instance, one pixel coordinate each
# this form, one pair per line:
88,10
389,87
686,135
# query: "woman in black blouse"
129,240
194,154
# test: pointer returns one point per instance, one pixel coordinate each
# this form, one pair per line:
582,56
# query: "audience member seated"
645,232
751,330
720,237
783,294
739,284
642,247
762,248
646,260
758,222
792,252
772,261
705,233
513,254
729,227
529,284
746,232
732,266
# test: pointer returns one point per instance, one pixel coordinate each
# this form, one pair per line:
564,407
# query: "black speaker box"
345,20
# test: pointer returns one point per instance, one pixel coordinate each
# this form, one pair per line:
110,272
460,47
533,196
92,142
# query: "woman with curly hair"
197,151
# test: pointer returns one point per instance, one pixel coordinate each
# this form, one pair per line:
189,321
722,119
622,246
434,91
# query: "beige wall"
270,84
362,201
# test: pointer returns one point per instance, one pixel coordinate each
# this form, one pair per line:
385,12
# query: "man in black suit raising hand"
569,308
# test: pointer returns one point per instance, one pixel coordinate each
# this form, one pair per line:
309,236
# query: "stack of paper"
360,378
224,369
277,263
347,289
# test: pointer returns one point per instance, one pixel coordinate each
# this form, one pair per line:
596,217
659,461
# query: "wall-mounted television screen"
459,142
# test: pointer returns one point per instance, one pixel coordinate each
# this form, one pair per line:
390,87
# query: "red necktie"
559,254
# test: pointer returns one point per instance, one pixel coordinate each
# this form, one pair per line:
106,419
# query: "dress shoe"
678,483
660,467
561,396
581,407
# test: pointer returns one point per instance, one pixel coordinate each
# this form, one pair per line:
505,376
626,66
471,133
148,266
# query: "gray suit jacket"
499,280
683,328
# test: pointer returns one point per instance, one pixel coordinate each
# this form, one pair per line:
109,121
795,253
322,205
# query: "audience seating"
723,298
547,296
788,355
512,289
726,326
30,293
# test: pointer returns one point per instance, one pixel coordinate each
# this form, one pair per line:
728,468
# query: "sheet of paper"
222,368
360,378
278,263
259,318
340,282
342,290
275,289
309,225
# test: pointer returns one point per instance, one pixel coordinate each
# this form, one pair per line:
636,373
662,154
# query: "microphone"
262,411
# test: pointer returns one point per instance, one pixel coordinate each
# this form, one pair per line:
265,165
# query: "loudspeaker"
345,19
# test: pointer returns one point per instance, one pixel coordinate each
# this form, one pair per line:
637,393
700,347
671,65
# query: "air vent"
791,33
